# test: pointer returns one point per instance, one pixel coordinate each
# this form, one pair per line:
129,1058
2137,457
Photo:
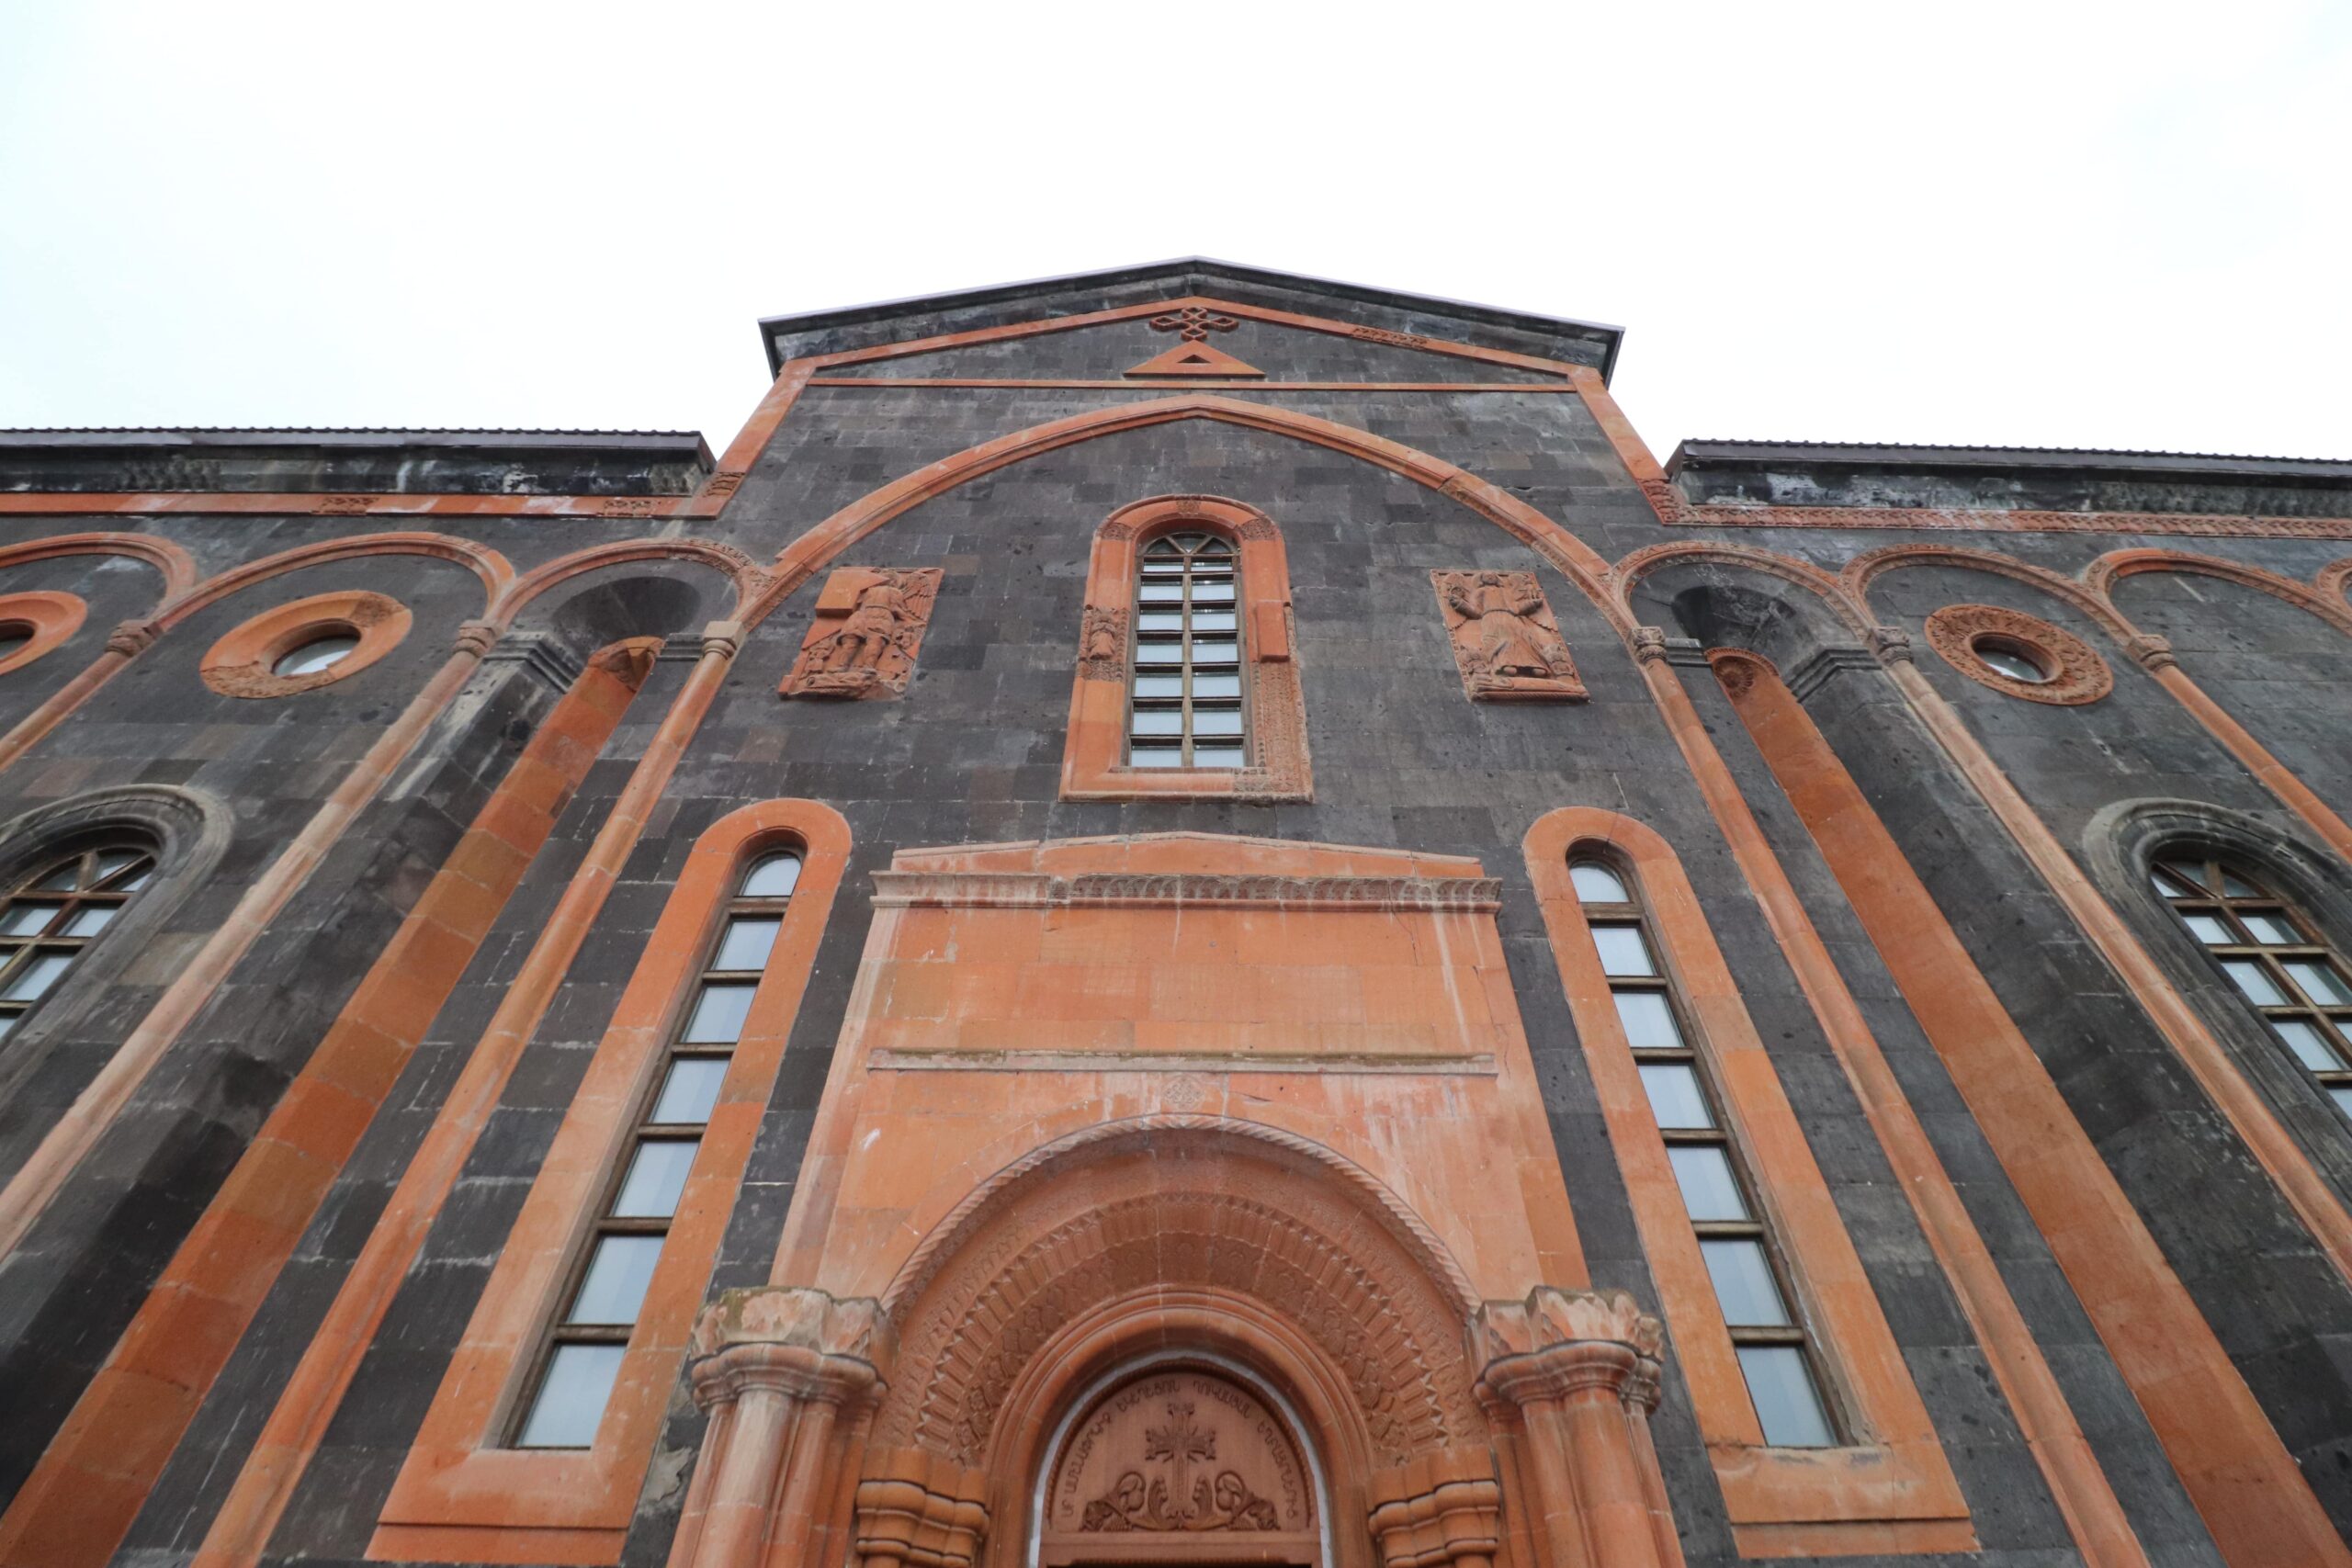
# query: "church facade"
1181,917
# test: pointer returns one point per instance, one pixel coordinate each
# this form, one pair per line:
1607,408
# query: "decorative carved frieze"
1023,889
1716,514
867,629
1506,643
342,505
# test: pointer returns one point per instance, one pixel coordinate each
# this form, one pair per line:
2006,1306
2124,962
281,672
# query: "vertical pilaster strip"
2095,1517
2155,656
74,1509
265,1485
2249,1114
36,1184
2245,1483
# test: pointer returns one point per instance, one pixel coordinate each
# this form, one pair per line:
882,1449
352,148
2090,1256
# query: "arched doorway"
1185,1462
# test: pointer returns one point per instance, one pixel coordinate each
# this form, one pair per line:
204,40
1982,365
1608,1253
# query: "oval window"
2010,659
319,653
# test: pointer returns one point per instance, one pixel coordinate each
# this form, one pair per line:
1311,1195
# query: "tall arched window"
1184,692
586,1345
1743,1259
2301,986
51,917
1186,687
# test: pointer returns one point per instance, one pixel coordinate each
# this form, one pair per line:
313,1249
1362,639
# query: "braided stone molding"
2078,674
1027,890
1948,520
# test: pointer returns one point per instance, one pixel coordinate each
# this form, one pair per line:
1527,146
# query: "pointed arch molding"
1165,1204
176,566
808,554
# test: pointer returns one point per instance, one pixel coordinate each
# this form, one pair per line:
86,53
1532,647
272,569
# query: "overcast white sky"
2059,223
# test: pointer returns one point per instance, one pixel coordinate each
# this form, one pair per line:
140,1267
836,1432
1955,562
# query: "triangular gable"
1196,359
932,327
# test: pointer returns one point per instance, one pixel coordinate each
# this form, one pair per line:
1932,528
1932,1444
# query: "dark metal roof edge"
280,436
1952,456
1138,272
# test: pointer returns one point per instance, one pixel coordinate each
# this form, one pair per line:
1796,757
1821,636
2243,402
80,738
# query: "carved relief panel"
1506,643
868,625
1171,1465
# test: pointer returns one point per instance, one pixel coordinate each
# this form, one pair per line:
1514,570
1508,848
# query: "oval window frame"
243,663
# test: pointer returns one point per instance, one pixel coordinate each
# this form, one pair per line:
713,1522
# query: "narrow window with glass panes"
53,916
584,1351
1185,707
2302,986
1741,1260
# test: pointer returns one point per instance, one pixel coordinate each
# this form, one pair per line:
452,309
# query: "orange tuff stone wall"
1012,993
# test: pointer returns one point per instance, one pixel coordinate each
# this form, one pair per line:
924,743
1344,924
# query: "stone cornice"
1032,890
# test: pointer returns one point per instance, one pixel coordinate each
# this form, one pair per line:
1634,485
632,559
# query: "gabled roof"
897,320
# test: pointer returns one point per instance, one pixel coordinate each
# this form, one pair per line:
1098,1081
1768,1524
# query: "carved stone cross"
1193,323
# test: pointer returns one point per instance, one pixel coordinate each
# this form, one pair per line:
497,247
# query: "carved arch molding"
1180,1210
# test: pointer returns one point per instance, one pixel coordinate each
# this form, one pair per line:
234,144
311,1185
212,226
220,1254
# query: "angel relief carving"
1506,643
868,625
1181,1452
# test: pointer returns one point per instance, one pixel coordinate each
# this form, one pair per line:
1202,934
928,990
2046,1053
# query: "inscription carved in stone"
1506,643
1176,1453
868,626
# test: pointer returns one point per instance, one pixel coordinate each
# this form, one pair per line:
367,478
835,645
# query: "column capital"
789,1339
131,638
1557,1343
2151,653
1649,644
477,637
1890,645
722,638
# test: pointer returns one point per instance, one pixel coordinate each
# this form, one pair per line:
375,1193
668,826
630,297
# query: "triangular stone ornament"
1195,359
